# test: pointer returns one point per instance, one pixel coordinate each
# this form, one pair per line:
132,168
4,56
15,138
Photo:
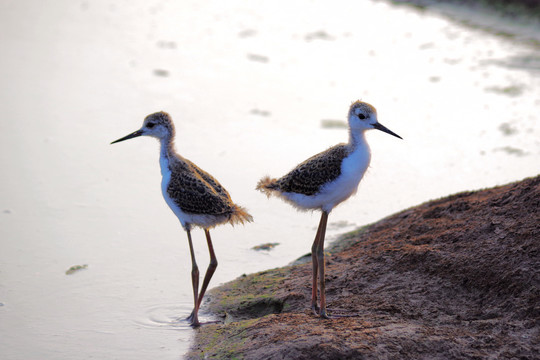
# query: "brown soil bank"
455,278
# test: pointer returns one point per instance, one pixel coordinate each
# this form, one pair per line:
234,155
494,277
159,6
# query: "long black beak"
386,130
130,136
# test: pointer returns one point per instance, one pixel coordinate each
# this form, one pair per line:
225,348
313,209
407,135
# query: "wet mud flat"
453,278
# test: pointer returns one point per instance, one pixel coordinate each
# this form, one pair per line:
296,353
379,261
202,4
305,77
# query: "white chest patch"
166,178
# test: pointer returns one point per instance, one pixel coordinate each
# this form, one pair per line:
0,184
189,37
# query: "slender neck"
357,139
165,153
166,145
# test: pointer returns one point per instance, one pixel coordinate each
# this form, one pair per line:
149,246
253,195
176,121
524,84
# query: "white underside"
353,168
187,220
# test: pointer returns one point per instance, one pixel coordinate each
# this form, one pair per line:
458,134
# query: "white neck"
357,139
164,156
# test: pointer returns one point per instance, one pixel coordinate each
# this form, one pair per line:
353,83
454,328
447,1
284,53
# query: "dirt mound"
453,278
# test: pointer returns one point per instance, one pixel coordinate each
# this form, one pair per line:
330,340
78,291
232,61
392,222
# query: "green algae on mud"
249,296
222,342
262,293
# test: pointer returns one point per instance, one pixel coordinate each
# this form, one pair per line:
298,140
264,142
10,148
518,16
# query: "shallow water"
252,90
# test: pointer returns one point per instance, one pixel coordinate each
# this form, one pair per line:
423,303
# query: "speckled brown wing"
197,192
308,177
210,180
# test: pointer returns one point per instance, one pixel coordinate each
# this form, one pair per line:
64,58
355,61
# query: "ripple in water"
169,317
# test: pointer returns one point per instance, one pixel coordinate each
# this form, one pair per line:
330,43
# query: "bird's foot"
336,313
315,309
193,320
195,323
339,313
323,314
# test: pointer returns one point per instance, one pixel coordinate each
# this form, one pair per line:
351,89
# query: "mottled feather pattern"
214,184
197,192
309,176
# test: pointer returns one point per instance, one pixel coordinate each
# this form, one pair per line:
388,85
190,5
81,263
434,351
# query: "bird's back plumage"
196,192
310,176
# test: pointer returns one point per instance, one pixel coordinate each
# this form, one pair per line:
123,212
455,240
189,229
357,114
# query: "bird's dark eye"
361,116
150,125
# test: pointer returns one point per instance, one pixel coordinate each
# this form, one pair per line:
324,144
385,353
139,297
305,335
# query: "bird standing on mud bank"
324,181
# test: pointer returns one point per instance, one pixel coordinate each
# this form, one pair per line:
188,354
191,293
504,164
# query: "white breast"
166,178
353,169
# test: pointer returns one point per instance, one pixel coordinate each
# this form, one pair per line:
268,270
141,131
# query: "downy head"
158,125
363,116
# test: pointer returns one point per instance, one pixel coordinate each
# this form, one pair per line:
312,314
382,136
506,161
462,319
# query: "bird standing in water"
324,181
195,197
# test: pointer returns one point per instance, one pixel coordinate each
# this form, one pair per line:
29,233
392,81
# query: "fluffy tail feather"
240,216
267,186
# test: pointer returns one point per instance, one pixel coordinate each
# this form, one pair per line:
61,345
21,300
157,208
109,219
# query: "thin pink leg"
193,318
211,267
315,265
320,261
